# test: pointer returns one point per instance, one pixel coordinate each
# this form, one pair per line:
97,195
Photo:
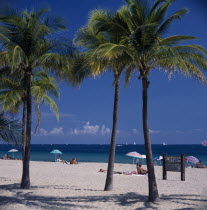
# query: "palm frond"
176,16
173,40
53,106
10,130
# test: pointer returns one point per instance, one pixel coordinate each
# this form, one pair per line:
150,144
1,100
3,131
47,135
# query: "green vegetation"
10,130
12,93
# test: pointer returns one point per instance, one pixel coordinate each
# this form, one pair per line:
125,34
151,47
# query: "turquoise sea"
99,153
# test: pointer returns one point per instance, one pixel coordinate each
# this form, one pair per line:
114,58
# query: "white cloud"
43,132
154,131
90,129
135,131
54,131
104,130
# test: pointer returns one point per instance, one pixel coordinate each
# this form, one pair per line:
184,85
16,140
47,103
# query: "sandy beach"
60,186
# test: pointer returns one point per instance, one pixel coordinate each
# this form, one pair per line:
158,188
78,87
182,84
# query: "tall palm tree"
12,95
143,27
28,44
97,46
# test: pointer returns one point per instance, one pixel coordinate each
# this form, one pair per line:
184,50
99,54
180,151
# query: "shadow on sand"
126,200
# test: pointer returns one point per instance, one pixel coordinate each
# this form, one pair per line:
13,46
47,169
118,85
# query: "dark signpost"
173,163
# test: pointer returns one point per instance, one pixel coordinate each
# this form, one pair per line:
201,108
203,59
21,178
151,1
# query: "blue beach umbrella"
56,152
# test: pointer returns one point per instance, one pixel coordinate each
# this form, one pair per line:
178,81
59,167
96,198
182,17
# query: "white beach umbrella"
13,151
136,155
192,159
158,158
142,157
204,143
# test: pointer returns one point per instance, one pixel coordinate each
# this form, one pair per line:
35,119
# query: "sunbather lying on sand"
62,161
118,172
198,165
5,157
73,161
129,172
115,172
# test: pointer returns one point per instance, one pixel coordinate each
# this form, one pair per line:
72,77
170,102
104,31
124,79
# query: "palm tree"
98,56
10,130
12,93
28,44
143,27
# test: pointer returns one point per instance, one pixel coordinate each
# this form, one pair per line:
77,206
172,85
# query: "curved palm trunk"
23,126
25,184
109,177
153,191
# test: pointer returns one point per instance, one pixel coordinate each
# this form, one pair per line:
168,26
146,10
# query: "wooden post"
182,167
164,167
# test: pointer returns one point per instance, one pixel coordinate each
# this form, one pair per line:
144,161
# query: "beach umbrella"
158,158
135,155
56,152
142,157
204,143
192,159
13,151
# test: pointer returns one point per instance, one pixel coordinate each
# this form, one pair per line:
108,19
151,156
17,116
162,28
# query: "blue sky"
177,107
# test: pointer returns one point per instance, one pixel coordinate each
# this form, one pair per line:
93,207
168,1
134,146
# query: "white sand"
59,186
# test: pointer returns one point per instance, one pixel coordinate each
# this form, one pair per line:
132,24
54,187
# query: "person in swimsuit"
73,161
140,170
198,165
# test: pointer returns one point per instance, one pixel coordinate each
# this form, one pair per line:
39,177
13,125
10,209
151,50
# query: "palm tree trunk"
109,177
24,114
153,191
23,126
25,184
